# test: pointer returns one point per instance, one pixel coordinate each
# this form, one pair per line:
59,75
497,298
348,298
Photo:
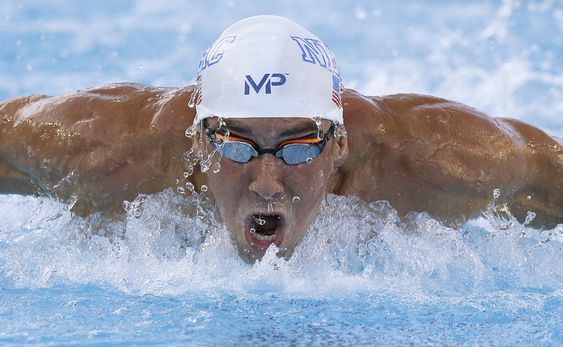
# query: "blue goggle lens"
297,153
292,154
241,152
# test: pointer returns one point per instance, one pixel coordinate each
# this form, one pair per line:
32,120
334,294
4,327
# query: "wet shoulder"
123,106
401,117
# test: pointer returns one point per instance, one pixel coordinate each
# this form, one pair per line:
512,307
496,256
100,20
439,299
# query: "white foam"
166,246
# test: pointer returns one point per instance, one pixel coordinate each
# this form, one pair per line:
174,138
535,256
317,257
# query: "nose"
267,177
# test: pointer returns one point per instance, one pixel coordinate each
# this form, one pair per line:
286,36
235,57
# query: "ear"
340,150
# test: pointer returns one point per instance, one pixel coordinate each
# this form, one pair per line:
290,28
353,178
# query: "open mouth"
264,229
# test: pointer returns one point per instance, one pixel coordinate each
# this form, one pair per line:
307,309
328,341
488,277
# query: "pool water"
361,276
166,272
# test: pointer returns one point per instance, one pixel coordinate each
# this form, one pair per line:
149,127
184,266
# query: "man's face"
267,201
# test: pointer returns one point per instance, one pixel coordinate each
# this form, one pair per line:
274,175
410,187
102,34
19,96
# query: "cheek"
225,187
310,184
311,179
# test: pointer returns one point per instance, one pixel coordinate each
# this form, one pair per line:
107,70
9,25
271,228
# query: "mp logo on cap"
267,81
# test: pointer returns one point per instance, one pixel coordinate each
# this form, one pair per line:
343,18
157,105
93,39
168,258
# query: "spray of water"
168,243
198,154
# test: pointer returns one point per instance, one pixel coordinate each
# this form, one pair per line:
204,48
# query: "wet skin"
108,144
266,186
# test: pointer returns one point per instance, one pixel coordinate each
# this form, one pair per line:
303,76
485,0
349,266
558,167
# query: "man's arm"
14,182
429,154
109,144
101,145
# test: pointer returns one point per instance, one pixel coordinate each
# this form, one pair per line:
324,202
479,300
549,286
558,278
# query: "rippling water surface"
166,273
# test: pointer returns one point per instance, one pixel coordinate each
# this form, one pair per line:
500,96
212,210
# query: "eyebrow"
303,129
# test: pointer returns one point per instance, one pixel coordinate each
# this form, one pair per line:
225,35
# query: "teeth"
263,237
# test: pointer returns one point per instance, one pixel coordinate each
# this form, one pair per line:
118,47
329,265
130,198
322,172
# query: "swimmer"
282,132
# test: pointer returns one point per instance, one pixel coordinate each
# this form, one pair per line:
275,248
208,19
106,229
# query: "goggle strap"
241,139
287,142
234,138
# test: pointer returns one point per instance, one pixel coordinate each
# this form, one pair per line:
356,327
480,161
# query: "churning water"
168,273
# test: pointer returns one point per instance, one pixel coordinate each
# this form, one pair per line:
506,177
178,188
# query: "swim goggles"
293,152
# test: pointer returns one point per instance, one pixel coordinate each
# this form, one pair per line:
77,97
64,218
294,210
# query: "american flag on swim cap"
336,91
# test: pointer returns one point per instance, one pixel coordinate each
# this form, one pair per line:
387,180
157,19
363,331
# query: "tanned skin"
109,144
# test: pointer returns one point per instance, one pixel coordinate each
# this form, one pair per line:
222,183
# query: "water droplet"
529,197
191,104
319,124
181,190
340,131
196,94
529,217
295,199
260,220
496,193
204,188
190,132
252,230
190,186
309,160
270,207
217,167
186,174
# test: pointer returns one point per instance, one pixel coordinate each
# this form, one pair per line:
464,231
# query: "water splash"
169,244
198,154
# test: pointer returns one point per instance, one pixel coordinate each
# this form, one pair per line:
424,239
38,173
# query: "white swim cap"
268,66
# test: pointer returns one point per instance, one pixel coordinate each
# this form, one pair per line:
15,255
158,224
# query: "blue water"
361,277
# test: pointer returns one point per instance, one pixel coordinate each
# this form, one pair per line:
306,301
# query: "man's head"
268,103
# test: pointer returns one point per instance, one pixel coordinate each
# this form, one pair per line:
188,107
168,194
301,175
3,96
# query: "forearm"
542,191
14,182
